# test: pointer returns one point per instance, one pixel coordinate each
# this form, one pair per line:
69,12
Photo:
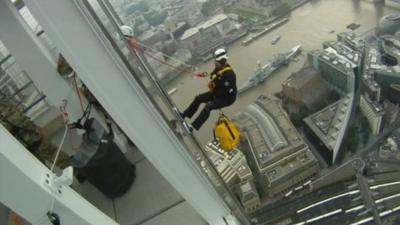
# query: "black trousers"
212,102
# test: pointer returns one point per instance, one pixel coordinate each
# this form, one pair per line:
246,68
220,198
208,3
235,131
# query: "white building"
374,113
211,34
249,195
232,166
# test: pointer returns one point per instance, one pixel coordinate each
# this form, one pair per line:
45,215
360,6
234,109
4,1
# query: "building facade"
249,196
206,37
296,89
336,70
232,166
374,113
324,126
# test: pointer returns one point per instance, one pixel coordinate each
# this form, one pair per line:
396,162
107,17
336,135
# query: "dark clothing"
224,83
222,93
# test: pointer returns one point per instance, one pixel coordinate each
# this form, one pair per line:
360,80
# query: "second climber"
222,91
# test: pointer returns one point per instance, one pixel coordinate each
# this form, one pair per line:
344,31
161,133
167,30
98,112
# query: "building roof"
328,122
374,62
269,132
293,163
337,59
302,77
391,46
189,32
285,161
248,192
228,164
342,49
388,25
351,39
374,106
209,23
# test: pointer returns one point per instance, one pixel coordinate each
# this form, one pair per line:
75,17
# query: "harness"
214,76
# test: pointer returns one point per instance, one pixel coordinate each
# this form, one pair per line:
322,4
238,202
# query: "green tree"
282,10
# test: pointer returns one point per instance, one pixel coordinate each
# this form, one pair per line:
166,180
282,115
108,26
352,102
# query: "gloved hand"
202,74
211,86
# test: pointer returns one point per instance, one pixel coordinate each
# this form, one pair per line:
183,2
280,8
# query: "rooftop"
298,79
269,132
351,39
292,163
327,122
391,46
371,83
375,106
331,57
248,191
209,23
342,49
229,164
389,24
337,59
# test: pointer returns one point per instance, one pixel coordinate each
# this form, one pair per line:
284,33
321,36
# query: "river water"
308,25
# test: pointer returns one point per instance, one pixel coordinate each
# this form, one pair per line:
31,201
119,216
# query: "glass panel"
362,185
48,45
15,84
30,20
152,78
37,29
318,154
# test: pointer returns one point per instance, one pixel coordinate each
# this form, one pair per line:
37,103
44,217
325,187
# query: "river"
308,25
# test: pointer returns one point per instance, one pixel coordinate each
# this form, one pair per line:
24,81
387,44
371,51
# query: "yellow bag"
226,133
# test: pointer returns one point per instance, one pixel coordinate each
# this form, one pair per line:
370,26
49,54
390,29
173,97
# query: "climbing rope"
142,48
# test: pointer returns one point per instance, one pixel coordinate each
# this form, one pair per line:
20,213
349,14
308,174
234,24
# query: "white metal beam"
35,59
22,189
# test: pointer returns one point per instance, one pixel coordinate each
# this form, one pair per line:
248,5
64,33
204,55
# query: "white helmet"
127,31
220,54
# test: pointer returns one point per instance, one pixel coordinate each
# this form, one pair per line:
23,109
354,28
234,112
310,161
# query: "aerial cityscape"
327,131
318,112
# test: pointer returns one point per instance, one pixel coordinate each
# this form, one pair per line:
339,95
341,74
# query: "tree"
282,10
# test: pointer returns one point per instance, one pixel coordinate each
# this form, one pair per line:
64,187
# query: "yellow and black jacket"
223,82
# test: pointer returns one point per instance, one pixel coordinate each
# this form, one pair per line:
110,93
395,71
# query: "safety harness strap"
220,72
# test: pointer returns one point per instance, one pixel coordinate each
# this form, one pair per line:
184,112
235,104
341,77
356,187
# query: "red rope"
134,44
